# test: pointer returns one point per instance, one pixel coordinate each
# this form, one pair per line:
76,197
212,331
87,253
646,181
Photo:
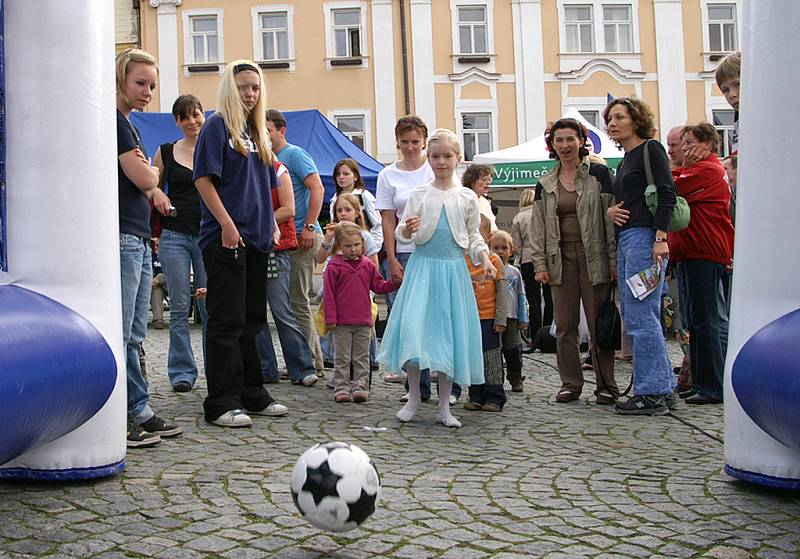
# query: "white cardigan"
461,207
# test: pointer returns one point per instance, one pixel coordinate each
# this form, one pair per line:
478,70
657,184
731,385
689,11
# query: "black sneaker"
642,405
158,426
138,438
671,400
182,386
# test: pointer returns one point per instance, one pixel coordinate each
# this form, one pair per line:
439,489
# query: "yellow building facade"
495,71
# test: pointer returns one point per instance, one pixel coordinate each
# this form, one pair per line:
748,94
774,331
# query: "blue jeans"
296,353
177,253
706,307
652,371
136,270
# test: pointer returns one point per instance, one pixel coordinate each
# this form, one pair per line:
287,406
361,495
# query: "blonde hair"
351,199
346,229
526,198
729,69
237,121
124,61
500,234
447,137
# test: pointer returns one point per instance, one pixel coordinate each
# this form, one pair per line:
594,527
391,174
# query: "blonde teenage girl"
234,173
434,323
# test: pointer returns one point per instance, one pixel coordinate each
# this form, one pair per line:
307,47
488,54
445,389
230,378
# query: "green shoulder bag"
680,214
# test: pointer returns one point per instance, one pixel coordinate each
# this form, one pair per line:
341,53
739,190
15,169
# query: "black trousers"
237,310
534,291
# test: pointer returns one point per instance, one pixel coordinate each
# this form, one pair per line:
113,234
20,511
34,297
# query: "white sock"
443,414
407,412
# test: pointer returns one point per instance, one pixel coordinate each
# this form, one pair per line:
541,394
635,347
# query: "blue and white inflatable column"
762,381
62,372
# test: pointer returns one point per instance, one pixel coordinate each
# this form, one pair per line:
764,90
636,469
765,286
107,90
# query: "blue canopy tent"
307,129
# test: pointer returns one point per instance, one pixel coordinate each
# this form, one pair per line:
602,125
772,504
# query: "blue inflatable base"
63,475
763,479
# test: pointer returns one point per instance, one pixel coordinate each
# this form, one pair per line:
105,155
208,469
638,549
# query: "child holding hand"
434,320
491,294
502,245
349,278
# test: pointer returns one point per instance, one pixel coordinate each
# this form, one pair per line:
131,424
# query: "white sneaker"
404,398
233,418
452,400
273,410
309,380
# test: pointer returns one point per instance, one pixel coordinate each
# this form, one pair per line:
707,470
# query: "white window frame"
258,46
459,67
581,23
604,22
188,45
711,58
477,109
571,61
707,23
366,114
330,47
723,137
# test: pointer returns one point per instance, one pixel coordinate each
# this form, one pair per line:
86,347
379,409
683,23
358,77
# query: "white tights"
443,414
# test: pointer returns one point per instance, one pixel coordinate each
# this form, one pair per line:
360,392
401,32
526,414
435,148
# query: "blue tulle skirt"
434,320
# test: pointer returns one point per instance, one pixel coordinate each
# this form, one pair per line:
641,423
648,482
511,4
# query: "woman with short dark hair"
574,252
641,243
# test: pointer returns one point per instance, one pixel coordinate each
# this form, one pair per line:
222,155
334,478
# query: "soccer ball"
335,486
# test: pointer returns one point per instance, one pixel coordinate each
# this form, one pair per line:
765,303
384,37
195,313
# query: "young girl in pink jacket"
349,278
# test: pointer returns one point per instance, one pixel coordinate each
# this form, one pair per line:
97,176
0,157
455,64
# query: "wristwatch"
661,239
309,226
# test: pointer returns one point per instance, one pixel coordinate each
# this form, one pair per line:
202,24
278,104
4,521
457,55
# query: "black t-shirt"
179,186
631,181
134,208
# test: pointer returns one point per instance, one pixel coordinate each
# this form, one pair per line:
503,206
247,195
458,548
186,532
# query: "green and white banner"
528,173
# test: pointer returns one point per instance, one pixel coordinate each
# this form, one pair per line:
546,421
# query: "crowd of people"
232,212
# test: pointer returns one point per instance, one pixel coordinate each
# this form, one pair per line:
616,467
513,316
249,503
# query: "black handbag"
608,329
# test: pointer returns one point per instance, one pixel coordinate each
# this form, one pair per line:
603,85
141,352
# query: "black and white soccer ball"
335,486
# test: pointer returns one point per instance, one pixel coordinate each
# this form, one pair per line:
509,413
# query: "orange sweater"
490,305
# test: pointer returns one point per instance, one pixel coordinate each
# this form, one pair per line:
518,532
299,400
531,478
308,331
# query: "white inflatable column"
762,381
62,222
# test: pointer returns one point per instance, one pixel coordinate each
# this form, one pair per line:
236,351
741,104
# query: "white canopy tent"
524,164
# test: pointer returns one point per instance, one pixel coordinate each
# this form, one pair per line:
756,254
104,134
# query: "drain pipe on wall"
405,56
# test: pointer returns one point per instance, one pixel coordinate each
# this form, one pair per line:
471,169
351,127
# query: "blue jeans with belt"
136,268
296,353
179,253
652,371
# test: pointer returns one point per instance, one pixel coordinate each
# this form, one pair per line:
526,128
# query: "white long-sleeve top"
461,207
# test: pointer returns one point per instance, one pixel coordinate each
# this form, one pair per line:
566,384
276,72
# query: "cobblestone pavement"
540,479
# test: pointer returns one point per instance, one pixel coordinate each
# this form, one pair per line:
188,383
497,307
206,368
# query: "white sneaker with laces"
453,400
404,398
273,410
233,418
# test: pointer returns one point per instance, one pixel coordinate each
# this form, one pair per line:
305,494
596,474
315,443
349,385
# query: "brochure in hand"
645,282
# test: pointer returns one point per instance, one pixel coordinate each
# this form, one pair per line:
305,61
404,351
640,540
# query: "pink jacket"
346,295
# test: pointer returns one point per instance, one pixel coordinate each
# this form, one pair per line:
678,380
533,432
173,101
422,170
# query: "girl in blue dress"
434,321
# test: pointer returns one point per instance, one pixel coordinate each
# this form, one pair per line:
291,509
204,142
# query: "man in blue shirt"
308,196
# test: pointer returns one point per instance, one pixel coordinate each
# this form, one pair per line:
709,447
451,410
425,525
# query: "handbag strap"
648,171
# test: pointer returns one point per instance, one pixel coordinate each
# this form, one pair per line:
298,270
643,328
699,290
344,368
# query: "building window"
617,28
477,133
592,117
204,34
346,32
274,35
723,122
579,26
354,127
472,26
722,33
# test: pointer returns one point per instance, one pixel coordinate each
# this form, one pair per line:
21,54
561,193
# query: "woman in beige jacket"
574,251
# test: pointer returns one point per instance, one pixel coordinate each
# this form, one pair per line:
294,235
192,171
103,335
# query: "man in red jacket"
704,251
